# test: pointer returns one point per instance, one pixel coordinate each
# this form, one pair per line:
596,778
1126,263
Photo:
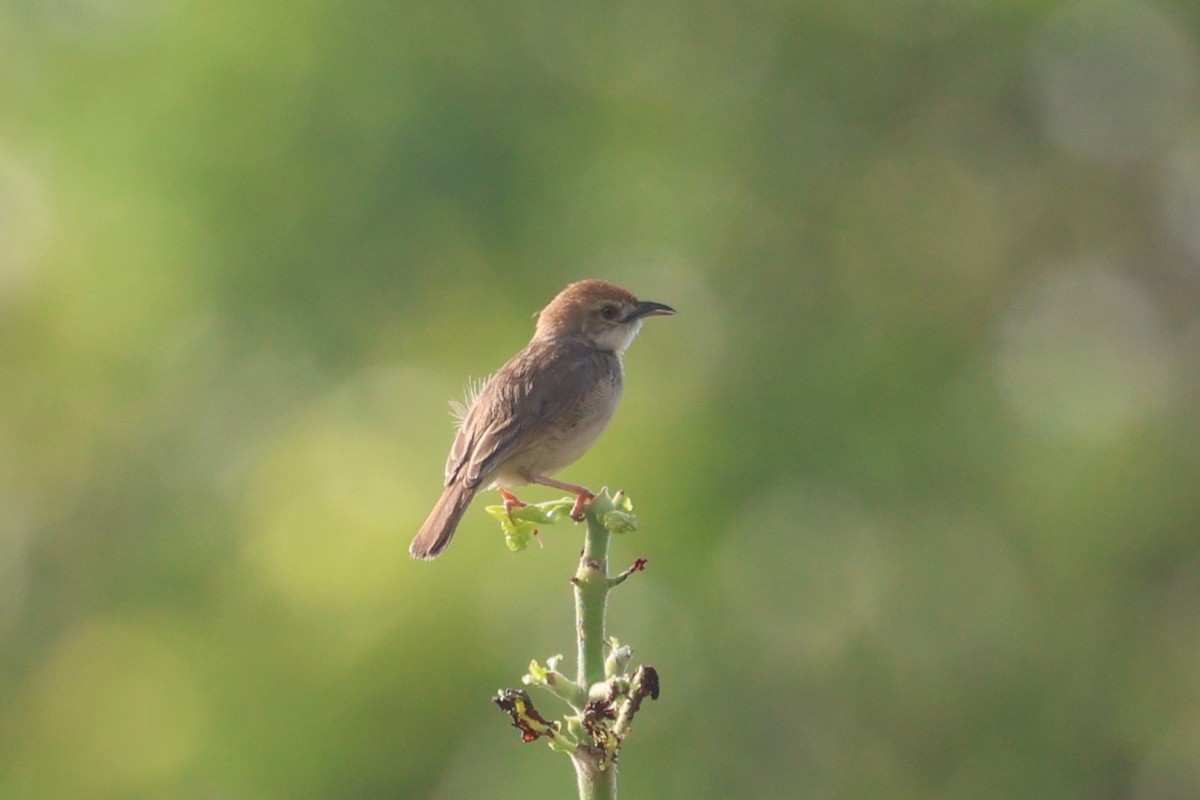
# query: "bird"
544,408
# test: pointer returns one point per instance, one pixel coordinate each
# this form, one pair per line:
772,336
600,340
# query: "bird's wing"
534,388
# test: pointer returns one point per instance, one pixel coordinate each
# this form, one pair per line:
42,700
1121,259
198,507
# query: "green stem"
594,783
597,780
591,600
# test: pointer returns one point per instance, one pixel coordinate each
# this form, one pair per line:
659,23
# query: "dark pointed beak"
648,308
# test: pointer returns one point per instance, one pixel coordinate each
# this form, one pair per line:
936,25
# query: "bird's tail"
439,527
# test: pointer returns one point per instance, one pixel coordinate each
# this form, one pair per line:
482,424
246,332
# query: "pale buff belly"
564,443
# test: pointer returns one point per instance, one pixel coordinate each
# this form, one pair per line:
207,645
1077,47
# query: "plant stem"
594,783
606,697
597,780
591,600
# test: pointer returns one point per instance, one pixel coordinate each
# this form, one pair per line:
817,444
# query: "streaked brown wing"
536,387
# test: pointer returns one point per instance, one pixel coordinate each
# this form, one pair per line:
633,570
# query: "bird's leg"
582,495
511,501
582,500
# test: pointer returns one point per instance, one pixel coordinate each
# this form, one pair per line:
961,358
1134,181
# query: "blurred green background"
916,463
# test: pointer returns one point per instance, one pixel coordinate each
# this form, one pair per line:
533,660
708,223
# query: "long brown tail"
439,527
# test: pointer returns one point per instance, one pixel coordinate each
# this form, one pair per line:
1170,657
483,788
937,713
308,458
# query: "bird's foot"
582,500
510,501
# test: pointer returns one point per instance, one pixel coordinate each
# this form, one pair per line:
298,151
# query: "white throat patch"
619,337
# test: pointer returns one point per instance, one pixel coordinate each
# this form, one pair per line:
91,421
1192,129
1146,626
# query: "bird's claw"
511,501
578,511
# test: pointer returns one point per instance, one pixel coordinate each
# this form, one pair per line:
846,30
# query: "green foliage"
605,698
521,524
620,519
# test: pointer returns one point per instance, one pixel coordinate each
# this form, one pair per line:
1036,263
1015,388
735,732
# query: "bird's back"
540,412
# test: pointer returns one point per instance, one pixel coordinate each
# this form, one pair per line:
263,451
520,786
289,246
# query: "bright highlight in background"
1084,354
1112,80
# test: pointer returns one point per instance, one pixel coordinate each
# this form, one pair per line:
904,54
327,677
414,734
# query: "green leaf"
563,743
539,675
520,524
536,675
618,658
619,522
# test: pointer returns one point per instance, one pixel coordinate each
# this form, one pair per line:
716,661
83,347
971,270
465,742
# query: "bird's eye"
609,312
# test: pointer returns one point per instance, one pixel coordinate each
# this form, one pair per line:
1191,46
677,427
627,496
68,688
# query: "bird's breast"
564,439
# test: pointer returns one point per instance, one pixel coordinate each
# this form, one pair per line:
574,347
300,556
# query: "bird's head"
600,313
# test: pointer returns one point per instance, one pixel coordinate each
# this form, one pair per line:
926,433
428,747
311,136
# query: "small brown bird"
544,408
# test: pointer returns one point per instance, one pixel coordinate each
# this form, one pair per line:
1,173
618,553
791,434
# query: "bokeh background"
916,464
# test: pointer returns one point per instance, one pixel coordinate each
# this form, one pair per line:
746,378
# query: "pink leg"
511,501
582,495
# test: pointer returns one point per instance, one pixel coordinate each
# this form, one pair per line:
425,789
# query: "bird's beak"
648,308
